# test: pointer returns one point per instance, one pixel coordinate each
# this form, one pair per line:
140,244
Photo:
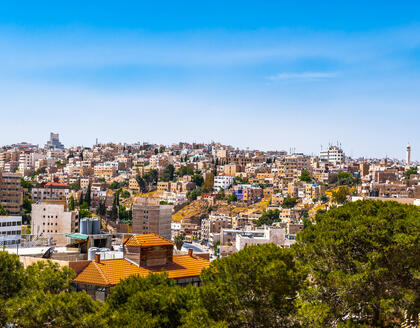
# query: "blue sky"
260,74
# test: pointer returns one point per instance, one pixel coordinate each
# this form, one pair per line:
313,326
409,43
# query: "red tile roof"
111,272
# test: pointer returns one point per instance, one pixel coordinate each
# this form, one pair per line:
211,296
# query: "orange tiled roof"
150,239
111,272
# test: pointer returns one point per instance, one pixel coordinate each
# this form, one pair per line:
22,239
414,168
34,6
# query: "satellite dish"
48,253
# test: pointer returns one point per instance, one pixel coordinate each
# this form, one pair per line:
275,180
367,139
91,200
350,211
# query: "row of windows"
43,223
49,231
50,216
14,232
9,242
11,224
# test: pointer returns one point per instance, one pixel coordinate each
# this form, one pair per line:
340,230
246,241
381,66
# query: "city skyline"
289,150
265,77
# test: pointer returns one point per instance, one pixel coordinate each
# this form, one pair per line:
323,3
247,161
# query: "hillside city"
114,211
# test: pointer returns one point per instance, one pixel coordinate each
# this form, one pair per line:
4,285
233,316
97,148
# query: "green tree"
324,198
115,185
26,184
255,287
154,302
305,176
268,218
197,179
410,171
72,204
101,211
345,179
142,184
3,211
340,195
193,194
208,183
179,241
289,202
240,180
168,174
75,185
125,194
88,195
125,216
363,261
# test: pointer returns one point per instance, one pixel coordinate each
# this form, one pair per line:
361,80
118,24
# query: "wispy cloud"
303,76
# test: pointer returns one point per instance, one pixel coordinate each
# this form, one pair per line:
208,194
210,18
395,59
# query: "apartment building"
10,230
51,219
333,154
214,224
11,192
223,182
151,217
51,191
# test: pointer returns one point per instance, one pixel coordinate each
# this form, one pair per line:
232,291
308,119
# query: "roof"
150,239
56,184
111,272
77,236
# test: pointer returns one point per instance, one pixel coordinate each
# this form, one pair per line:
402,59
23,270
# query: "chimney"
190,252
98,258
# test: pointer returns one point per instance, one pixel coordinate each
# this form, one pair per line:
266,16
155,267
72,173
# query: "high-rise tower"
408,154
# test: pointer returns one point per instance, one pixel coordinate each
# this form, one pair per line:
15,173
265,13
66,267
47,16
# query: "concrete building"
333,154
11,193
52,219
408,159
151,217
223,182
51,191
10,230
54,142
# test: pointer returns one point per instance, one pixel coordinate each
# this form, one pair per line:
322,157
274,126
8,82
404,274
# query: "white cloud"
303,76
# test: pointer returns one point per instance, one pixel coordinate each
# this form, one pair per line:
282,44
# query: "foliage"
151,177
101,210
289,202
305,176
154,301
71,203
410,171
364,264
41,170
12,278
197,179
26,184
125,216
179,241
193,194
168,173
240,180
115,185
84,213
255,287
125,194
232,198
88,195
142,184
340,195
268,218
185,170
324,198
345,178
75,185
208,183
3,211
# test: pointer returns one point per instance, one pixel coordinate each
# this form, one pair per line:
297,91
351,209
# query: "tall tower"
408,154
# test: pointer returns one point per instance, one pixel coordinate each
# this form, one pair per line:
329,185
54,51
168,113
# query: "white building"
223,182
10,230
53,220
333,154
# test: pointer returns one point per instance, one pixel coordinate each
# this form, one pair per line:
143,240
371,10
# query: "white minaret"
408,154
